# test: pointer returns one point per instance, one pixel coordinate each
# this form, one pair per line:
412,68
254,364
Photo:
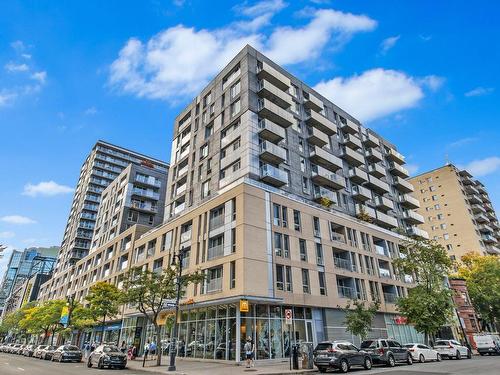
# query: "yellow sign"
244,305
64,311
162,318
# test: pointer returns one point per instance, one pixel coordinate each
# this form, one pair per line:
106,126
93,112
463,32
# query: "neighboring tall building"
22,266
458,211
104,163
268,183
469,323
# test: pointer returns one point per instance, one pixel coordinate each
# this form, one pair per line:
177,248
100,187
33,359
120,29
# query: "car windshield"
51,348
409,345
441,342
42,346
323,346
70,347
108,349
369,344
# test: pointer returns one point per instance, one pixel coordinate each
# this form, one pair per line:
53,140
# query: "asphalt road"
19,365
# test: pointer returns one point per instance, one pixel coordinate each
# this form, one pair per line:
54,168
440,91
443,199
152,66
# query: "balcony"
270,131
386,221
352,157
412,217
398,170
321,192
215,252
403,185
376,170
325,159
378,185
274,113
488,238
480,187
346,292
390,297
416,231
357,175
312,102
321,122
343,264
484,228
477,208
395,156
361,193
381,250
272,153
273,176
181,189
384,203
146,193
179,208
182,171
269,91
373,155
186,236
481,218
471,189
408,201
317,137
214,285
144,207
474,199
362,208
352,141
148,180
370,140
267,72
466,180
492,250
230,137
324,177
348,126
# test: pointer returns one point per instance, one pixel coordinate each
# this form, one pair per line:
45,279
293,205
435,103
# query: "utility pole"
173,343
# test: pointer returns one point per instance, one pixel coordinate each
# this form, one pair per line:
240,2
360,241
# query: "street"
15,365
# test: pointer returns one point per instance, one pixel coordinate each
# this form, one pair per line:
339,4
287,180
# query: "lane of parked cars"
104,356
343,355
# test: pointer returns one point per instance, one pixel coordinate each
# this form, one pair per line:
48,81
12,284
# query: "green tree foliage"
148,291
104,302
358,320
428,305
482,274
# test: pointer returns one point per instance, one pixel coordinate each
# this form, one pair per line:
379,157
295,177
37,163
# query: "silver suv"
387,352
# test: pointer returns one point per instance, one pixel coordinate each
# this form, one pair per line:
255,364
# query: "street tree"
482,274
428,305
359,318
149,291
104,301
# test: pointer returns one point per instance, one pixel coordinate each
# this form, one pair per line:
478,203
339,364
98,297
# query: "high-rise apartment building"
283,200
458,211
104,163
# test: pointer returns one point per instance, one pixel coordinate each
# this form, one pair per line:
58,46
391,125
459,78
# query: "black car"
28,350
387,352
341,355
69,353
48,352
107,356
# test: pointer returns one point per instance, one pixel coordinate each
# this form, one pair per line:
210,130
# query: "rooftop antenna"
447,159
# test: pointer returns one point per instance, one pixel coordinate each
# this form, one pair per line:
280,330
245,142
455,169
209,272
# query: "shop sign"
244,306
288,316
400,320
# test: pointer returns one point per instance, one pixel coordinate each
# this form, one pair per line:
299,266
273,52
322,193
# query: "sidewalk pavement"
190,366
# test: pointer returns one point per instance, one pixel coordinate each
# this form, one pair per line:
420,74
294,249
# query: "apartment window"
446,236
205,189
286,246
437,207
207,99
235,89
305,281
322,283
319,255
301,144
434,197
284,212
233,240
302,164
305,185
235,108
449,247
283,278
303,249
209,130
296,220
316,227
209,166
288,278
440,217
278,244
443,226
276,214
133,216
204,151
232,275
432,188
227,80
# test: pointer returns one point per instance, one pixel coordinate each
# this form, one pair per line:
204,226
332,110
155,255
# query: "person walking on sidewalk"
249,349
146,351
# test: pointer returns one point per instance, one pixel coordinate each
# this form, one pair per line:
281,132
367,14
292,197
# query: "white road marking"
20,368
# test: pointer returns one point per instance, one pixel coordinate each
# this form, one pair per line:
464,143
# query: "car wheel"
421,358
89,363
458,356
481,354
409,360
469,354
438,357
100,365
390,361
322,369
368,363
344,366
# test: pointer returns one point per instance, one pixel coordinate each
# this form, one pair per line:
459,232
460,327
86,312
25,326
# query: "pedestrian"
134,352
146,350
249,349
86,348
92,347
152,349
123,347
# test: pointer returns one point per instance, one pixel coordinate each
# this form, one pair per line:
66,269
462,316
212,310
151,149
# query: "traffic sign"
288,316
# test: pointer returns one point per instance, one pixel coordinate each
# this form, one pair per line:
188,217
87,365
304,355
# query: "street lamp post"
173,343
71,305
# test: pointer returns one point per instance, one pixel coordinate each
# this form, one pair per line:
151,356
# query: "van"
487,344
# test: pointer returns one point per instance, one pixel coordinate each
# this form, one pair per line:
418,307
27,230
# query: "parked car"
48,352
37,353
69,353
423,353
387,352
452,349
107,356
14,348
341,355
28,350
487,344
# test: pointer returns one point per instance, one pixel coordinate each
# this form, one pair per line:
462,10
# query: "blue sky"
423,74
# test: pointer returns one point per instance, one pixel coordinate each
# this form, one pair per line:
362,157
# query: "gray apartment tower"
256,120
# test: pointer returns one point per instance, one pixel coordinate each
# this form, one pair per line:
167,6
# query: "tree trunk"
52,338
158,345
103,328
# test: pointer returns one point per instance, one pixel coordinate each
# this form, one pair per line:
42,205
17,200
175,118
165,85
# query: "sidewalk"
209,367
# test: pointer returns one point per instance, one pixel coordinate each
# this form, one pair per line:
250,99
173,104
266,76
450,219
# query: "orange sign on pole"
244,306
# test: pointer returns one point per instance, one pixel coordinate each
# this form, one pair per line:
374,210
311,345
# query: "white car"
423,353
452,349
487,344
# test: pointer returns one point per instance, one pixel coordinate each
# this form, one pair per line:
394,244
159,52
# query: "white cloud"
479,91
41,77
18,45
91,111
482,167
7,97
388,43
163,68
17,219
412,168
462,142
433,82
7,234
27,56
375,93
46,188
262,7
12,67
